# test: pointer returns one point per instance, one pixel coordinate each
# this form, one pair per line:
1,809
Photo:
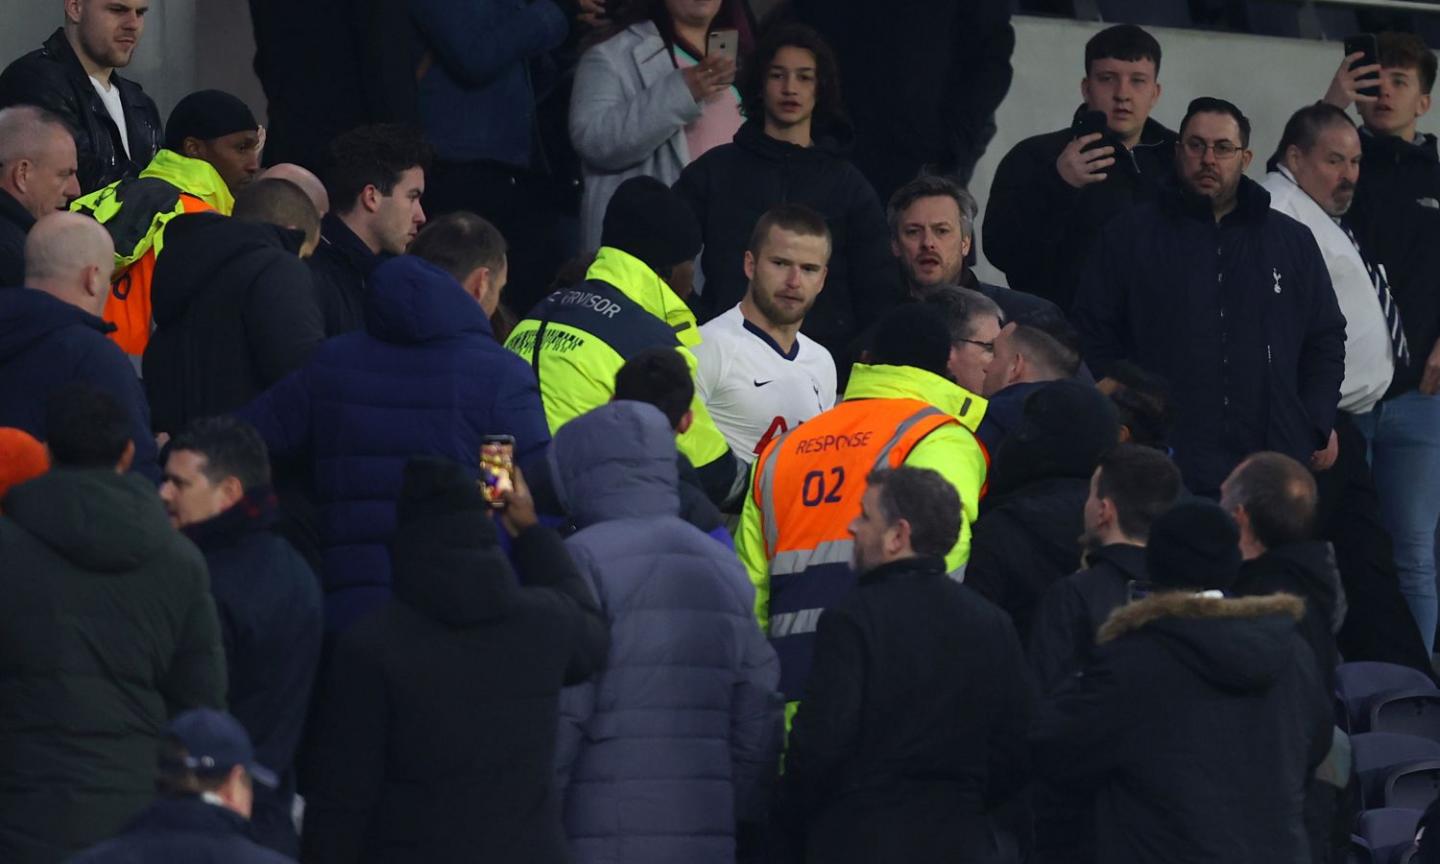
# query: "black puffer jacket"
1028,533
1039,229
731,187
108,630
51,76
1062,638
1306,570
1195,730
15,224
234,313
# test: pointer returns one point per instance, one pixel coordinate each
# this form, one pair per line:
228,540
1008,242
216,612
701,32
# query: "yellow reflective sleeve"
956,455
750,546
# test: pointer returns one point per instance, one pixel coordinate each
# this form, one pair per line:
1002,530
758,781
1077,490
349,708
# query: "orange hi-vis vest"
808,484
129,307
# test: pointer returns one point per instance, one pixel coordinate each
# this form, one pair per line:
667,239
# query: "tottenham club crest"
1276,274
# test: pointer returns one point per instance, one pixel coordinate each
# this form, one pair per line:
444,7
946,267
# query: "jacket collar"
633,278
12,211
907,382
341,240
824,143
190,815
1128,558
1181,604
1393,147
194,177
1252,204
250,515
905,568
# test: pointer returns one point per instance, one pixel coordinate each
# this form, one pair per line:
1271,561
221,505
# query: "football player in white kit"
758,374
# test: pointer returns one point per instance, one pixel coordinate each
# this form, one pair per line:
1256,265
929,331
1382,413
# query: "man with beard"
758,374
1227,299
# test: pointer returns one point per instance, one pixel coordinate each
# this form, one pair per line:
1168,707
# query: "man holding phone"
1054,192
1396,219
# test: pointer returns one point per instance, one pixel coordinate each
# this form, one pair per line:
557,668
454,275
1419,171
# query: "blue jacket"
427,378
1239,317
677,738
184,830
476,100
45,344
271,621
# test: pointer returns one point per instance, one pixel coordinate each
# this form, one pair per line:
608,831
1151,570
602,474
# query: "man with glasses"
1227,299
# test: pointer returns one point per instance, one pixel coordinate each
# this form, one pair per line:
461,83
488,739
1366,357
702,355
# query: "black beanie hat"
206,115
911,334
648,220
1194,545
433,487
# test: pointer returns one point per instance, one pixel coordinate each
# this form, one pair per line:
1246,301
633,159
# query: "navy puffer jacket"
677,739
427,378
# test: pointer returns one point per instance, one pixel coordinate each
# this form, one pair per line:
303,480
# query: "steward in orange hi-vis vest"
805,490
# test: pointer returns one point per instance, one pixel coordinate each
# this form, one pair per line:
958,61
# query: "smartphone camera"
497,468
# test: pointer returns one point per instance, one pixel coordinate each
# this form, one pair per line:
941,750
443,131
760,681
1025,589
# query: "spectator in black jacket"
37,177
1130,489
217,491
375,177
1227,299
912,732
791,150
1029,354
1054,192
1201,719
117,127
1027,537
234,305
924,79
436,733
932,232
51,333
1396,216
208,780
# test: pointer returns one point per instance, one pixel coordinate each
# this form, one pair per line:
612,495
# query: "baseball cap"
216,742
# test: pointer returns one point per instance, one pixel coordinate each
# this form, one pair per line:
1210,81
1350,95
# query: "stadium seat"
1389,832
1359,852
1357,685
1407,712
1401,765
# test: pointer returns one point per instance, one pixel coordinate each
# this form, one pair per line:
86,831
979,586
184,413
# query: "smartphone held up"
497,468
1365,44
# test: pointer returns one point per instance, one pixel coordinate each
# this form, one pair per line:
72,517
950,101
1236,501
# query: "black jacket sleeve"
1058,634
544,562
1101,312
826,728
282,319
979,78
1026,216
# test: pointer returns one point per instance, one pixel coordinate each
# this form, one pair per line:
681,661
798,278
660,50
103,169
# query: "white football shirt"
753,389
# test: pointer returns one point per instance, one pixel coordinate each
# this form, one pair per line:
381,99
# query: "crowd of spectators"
803,543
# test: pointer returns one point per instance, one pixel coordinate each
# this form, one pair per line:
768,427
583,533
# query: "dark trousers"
1378,625
537,214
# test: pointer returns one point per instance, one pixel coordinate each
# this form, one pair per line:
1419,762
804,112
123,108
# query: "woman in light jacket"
647,100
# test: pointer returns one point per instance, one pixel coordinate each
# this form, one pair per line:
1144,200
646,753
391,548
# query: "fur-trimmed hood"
1242,643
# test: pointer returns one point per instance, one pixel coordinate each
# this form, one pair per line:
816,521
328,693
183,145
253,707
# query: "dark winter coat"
234,313
1250,339
1396,216
1003,412
427,378
1306,570
676,741
922,81
733,185
913,726
45,344
183,831
1195,730
340,269
271,621
108,630
51,76
1062,635
1040,230
15,224
435,736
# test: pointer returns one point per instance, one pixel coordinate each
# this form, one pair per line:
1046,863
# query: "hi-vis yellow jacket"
578,338
806,488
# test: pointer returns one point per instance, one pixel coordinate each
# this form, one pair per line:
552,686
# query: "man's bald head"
302,177
70,256
37,159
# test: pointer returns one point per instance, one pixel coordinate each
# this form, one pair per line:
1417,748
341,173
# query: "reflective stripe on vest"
808,488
